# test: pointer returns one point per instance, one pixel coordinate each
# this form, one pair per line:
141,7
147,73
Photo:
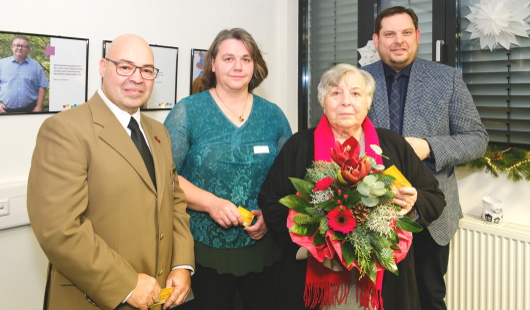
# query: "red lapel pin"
157,139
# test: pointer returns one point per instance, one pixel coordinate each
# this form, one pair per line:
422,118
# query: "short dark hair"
393,11
21,38
260,67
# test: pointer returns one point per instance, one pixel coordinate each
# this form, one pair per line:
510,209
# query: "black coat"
399,292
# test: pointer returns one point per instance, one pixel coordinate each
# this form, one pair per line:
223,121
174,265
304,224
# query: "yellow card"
248,217
164,295
400,181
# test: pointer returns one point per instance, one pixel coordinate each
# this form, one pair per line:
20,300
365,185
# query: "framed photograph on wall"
164,94
197,65
41,73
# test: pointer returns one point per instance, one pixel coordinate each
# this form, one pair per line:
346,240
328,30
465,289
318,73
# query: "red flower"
342,221
323,184
356,171
353,169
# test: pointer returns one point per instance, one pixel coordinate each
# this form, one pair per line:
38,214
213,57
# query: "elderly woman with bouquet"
351,217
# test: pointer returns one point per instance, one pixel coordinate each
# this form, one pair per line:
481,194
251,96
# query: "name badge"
261,149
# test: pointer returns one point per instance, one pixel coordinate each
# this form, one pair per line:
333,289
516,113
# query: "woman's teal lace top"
229,161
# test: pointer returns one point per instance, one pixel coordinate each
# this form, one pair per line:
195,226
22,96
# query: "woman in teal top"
224,141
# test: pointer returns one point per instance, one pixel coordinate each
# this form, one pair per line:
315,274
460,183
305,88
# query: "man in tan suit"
113,233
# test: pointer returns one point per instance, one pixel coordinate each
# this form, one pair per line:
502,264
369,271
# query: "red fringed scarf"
323,286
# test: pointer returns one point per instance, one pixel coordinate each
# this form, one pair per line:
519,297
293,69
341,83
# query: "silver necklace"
240,117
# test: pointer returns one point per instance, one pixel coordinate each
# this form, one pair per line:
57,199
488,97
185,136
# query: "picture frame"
197,65
164,94
63,61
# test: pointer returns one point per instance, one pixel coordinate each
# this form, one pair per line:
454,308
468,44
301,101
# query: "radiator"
489,266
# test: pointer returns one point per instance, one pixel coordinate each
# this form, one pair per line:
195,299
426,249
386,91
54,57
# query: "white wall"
185,24
474,184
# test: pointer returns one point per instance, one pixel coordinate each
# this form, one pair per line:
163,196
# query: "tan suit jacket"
95,211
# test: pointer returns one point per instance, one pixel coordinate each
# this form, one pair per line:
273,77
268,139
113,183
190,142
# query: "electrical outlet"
4,207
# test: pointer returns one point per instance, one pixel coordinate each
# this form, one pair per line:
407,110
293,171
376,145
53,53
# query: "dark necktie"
394,105
139,141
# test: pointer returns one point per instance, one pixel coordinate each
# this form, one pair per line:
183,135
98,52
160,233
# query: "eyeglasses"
20,46
128,69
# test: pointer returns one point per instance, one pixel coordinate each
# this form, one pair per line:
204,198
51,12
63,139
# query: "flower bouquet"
344,209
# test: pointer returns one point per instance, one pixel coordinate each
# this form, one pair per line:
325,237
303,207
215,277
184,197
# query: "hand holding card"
248,217
400,181
164,295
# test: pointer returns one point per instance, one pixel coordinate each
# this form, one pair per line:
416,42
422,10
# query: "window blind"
498,81
332,40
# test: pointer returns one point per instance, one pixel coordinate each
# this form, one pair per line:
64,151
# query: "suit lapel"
380,101
113,133
415,91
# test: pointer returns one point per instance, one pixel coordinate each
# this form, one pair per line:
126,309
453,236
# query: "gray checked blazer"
440,109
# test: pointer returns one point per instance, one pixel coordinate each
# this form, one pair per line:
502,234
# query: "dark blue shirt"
403,86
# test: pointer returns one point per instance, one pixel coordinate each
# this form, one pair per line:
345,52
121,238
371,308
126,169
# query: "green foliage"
385,178
319,239
304,230
295,202
383,252
307,225
353,197
371,268
408,224
389,195
394,240
339,236
322,169
313,211
327,205
360,241
497,159
323,226
348,253
305,219
303,187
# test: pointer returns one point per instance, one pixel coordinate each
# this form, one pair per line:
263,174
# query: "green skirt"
240,261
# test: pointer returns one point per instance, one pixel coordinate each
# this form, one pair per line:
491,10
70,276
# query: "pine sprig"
305,219
385,178
361,247
383,252
324,227
322,169
314,211
513,161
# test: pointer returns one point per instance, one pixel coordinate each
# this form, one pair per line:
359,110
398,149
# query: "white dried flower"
498,22
368,54
380,219
321,196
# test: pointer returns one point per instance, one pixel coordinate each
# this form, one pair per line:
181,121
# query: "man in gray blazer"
430,105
